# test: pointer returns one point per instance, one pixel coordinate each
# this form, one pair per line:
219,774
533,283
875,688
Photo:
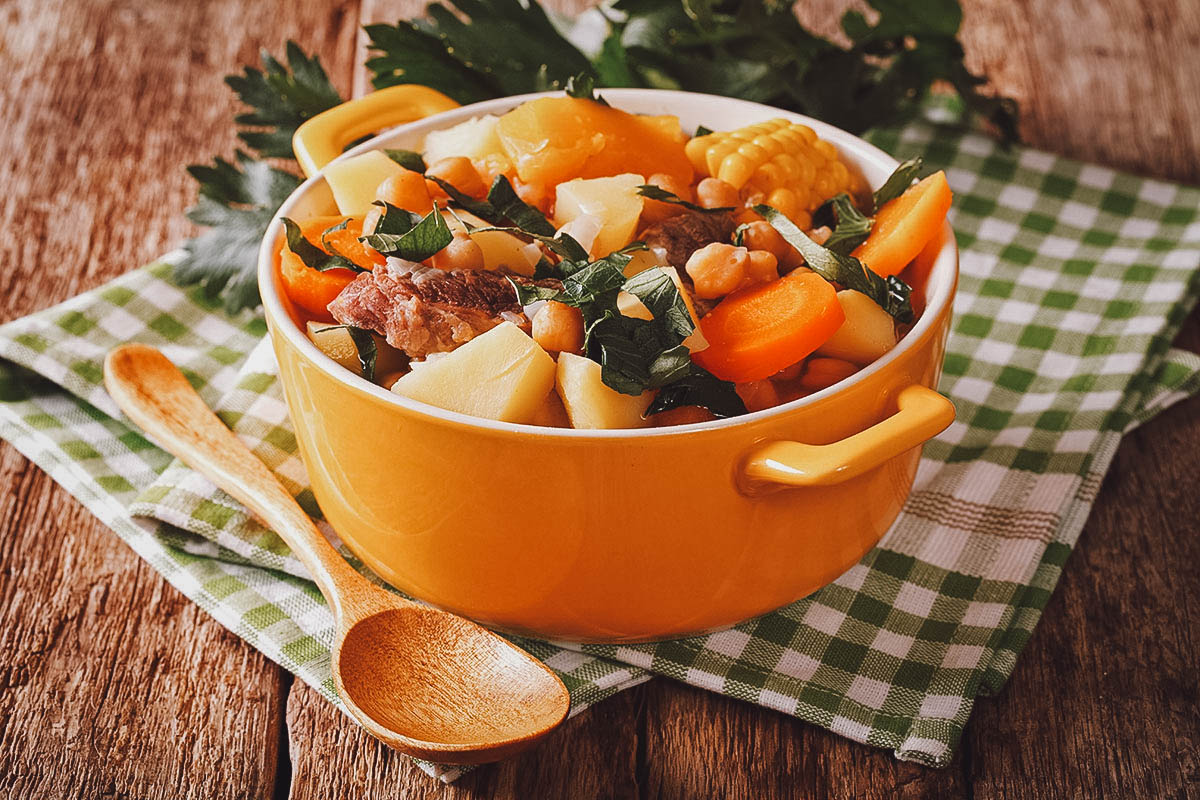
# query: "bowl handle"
323,138
922,414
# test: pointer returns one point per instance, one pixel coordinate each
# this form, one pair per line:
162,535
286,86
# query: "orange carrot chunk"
755,332
312,289
905,225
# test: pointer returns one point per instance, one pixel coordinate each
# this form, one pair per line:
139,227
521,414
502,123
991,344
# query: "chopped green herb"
897,183
395,221
699,388
479,208
850,227
427,237
364,345
313,256
892,294
583,86
508,205
703,130
662,195
406,158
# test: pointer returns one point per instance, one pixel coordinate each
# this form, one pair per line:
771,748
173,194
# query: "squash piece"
501,374
555,139
354,180
592,404
614,201
867,333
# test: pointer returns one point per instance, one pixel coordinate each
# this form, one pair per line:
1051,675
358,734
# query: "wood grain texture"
113,685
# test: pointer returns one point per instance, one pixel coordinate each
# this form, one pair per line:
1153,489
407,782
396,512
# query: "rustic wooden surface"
113,685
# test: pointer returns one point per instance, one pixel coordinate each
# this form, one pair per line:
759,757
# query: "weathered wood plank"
112,684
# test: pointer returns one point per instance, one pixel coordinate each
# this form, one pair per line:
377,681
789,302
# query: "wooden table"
113,685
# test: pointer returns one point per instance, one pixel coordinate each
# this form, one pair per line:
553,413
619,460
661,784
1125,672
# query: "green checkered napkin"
1074,282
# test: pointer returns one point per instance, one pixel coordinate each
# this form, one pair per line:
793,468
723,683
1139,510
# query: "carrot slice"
755,332
312,289
905,225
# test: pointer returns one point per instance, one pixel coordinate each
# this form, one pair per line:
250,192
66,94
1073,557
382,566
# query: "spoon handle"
158,398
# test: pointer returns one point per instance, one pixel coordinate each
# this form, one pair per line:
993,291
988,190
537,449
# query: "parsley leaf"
583,86
394,221
406,158
364,344
662,195
311,255
850,226
891,293
237,202
418,243
699,387
897,183
281,98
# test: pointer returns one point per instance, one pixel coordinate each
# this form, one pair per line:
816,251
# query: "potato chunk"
354,181
500,250
591,404
475,139
335,342
867,333
614,201
501,374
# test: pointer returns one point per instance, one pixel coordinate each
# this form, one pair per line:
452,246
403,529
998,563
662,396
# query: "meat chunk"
423,310
683,234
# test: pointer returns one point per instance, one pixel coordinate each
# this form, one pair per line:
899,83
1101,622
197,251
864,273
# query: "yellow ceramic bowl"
605,535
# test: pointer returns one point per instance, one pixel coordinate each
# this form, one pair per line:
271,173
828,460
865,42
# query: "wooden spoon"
424,681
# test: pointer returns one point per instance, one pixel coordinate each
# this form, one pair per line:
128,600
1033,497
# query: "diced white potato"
551,413
640,261
501,374
334,341
614,200
867,333
476,139
500,249
355,180
591,404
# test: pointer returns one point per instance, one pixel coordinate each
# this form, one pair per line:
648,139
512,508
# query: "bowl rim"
939,293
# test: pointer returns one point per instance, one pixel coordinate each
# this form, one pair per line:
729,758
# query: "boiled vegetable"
475,139
500,250
905,225
313,289
614,202
347,347
755,332
555,139
591,404
821,373
353,181
867,333
501,374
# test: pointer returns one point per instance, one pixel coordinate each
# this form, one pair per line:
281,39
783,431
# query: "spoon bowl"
424,681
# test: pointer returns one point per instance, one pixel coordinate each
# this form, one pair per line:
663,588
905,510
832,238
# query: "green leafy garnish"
562,244
281,98
753,49
237,202
479,208
501,206
406,158
892,294
583,86
662,195
703,130
311,255
897,183
394,221
850,226
699,387
427,237
364,345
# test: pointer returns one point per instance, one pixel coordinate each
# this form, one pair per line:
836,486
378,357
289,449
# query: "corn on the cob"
782,163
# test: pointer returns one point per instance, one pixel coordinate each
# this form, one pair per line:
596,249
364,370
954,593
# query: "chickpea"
763,266
657,210
558,328
758,395
461,253
761,236
716,193
459,172
789,373
405,189
717,269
